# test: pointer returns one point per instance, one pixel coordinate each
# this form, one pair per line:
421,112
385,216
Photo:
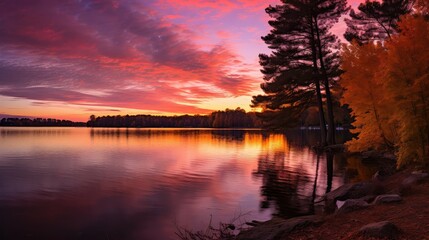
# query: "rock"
415,178
377,176
368,198
350,191
386,167
254,223
383,229
276,228
340,204
387,198
418,172
352,205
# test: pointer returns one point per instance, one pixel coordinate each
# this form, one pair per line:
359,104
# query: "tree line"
381,76
237,118
39,122
229,118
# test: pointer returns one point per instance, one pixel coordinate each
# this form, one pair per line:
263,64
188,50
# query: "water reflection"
78,183
290,171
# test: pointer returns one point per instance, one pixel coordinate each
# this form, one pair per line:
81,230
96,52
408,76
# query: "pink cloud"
128,53
159,55
223,34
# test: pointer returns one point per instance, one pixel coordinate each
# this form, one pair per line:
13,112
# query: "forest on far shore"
229,118
39,122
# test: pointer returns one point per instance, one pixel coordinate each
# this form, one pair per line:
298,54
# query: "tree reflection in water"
283,187
291,182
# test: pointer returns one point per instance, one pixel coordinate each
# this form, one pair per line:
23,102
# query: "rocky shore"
393,207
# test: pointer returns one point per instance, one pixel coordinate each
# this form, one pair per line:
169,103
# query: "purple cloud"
110,53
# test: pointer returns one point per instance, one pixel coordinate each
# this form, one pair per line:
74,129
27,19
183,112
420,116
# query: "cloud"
119,98
221,6
111,53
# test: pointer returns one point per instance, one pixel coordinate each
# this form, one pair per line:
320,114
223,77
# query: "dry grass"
223,231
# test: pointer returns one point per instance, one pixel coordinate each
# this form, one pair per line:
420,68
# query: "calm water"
79,183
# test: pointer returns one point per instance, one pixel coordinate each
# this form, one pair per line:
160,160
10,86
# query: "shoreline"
388,201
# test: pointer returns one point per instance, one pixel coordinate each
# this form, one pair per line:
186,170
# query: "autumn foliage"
364,88
387,86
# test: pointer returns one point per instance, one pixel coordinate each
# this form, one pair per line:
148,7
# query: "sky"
69,59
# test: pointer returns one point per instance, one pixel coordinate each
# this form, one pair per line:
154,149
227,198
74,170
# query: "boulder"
339,203
415,178
368,198
387,198
351,205
418,172
383,229
350,191
276,228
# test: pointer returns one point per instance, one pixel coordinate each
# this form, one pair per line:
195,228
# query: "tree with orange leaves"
364,94
387,87
422,6
406,82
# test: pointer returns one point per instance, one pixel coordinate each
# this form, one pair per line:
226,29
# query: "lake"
82,183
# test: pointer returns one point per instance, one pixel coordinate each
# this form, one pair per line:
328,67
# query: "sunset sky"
69,59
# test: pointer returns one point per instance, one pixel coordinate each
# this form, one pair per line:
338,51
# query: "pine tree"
291,81
375,20
325,14
303,56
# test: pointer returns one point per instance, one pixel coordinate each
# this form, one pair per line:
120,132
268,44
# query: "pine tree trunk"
322,120
330,170
331,123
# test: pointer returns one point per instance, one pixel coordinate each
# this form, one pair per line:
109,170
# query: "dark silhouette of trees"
325,13
290,84
304,58
237,118
40,122
149,121
233,118
376,20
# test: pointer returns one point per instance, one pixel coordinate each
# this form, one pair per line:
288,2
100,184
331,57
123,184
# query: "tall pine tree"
304,56
325,14
376,20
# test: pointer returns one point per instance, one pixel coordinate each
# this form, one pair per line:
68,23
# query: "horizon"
70,59
5,116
